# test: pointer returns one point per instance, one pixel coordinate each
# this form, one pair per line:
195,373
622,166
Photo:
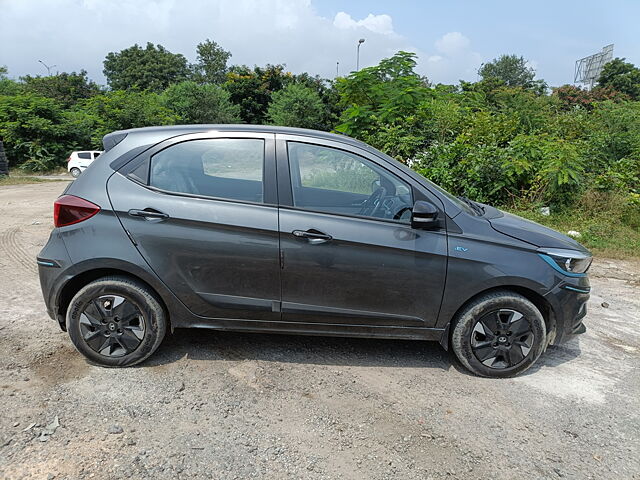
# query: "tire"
116,321
499,335
75,172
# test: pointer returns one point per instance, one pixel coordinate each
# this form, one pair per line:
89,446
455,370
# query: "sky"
452,38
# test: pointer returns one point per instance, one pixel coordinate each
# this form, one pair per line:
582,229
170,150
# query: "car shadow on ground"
211,345
202,344
557,355
554,356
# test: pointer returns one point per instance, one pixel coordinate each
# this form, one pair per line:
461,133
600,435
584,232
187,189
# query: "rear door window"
228,168
84,155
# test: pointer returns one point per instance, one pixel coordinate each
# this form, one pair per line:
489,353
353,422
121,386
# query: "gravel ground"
227,405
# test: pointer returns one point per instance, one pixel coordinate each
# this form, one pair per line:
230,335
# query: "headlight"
567,261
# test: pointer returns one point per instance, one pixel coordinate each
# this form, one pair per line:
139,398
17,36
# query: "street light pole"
337,69
47,67
360,42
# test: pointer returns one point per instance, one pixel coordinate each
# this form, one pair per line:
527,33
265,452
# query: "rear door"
350,257
202,211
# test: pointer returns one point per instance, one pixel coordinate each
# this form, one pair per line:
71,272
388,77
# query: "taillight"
68,210
68,159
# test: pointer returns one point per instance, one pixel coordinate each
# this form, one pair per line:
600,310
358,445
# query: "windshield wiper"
474,206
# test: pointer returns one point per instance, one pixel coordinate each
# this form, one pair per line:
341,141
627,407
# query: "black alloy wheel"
112,326
502,339
116,321
499,334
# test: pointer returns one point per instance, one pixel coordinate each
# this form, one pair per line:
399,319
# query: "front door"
202,213
350,257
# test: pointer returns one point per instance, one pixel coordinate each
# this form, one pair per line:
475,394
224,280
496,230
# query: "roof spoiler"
110,140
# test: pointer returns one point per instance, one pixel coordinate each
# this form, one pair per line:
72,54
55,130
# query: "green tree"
251,89
151,68
296,106
211,63
328,94
386,93
67,88
195,103
34,131
7,86
102,114
621,76
513,71
571,96
383,106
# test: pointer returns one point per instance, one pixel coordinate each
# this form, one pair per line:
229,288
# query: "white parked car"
78,161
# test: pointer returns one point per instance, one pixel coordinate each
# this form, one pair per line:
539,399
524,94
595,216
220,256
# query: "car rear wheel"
75,172
500,334
116,322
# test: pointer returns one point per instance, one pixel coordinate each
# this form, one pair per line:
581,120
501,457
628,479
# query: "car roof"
112,139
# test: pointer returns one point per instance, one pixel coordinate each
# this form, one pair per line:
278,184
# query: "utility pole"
47,67
337,69
360,42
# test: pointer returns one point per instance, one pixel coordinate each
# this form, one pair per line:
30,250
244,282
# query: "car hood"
532,232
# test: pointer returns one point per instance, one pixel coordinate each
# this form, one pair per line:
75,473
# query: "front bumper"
569,302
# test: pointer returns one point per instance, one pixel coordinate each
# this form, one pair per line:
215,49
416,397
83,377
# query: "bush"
496,141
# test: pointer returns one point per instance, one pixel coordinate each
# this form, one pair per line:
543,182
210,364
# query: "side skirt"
320,329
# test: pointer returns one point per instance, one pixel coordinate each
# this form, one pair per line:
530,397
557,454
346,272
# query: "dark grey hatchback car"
269,229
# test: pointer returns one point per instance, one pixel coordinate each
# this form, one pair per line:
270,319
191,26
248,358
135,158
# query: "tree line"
506,139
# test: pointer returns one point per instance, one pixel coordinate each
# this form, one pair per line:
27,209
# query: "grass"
10,180
27,173
18,176
608,225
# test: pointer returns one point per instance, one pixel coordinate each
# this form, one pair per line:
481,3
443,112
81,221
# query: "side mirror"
424,215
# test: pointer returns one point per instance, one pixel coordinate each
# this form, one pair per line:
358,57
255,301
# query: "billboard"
588,69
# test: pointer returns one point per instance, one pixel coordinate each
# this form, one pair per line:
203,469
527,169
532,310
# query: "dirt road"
226,405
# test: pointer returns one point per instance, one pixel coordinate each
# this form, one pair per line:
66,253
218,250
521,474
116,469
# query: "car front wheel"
116,321
500,334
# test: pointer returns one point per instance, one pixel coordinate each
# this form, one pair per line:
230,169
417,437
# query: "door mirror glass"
424,215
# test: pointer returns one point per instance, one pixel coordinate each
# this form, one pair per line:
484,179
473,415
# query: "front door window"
335,181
